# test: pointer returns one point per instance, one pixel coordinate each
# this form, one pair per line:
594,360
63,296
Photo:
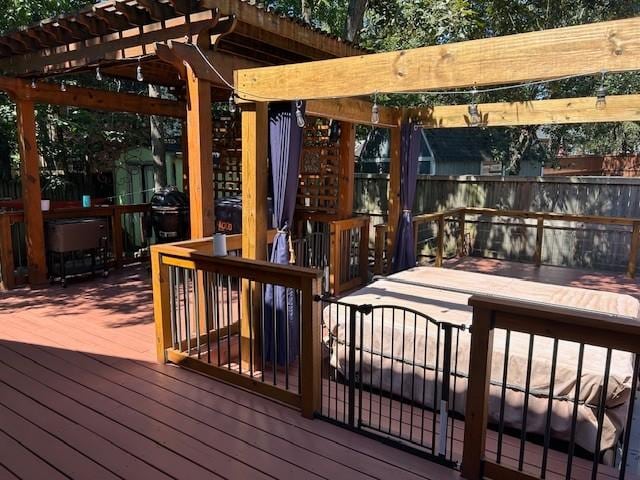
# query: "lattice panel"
318,190
227,156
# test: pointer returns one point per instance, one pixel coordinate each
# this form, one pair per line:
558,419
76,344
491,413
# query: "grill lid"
169,196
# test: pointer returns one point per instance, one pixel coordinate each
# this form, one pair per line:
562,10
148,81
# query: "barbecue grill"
170,215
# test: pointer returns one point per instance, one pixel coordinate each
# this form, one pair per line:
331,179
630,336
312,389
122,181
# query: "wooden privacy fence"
212,315
544,221
12,248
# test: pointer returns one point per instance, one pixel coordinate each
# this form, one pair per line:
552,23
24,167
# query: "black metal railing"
394,373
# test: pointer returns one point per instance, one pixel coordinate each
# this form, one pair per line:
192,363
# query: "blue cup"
86,201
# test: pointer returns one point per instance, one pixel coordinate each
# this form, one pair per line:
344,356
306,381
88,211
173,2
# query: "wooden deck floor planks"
85,398
86,386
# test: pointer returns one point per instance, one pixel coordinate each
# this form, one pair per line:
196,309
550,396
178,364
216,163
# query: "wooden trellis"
227,156
319,169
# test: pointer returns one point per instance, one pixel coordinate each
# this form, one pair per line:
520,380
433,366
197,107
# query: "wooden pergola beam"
619,108
92,99
352,110
582,50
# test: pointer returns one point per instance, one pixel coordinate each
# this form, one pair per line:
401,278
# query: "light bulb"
33,83
98,74
375,114
299,115
139,75
474,115
601,98
63,87
232,103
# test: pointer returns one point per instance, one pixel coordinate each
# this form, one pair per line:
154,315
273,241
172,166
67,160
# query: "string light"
299,115
232,103
139,75
375,111
33,83
601,94
475,120
63,86
98,74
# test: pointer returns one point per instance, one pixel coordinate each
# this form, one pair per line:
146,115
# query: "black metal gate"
394,373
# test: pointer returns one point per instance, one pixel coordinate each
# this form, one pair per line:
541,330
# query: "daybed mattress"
417,384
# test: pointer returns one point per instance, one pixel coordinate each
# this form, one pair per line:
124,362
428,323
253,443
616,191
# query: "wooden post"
476,413
255,169
335,260
381,230
161,304
310,349
461,228
537,256
7,266
200,156
440,241
31,195
633,253
116,229
347,166
364,252
395,170
184,140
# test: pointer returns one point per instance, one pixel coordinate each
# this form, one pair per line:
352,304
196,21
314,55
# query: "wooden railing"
460,216
211,315
113,213
587,329
349,251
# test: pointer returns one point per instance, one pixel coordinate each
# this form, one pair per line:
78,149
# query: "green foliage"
20,13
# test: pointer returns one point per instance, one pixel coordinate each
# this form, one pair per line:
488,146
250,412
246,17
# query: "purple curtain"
404,255
281,335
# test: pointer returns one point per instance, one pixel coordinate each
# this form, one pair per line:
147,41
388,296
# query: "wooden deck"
82,397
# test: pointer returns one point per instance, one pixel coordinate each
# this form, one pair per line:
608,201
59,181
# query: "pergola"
546,55
538,56
118,37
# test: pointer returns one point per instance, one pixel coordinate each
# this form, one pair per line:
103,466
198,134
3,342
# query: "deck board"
87,400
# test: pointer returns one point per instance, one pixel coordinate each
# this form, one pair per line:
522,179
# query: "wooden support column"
200,156
477,408
255,173
633,252
461,230
395,169
7,279
440,241
537,256
31,195
347,167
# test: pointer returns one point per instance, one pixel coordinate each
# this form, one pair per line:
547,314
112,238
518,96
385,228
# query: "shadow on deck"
82,397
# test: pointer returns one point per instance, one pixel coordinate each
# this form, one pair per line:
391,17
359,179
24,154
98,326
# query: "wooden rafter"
158,10
55,50
587,49
116,21
136,14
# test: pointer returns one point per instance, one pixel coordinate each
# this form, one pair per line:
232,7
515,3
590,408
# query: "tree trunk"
355,18
157,145
305,6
